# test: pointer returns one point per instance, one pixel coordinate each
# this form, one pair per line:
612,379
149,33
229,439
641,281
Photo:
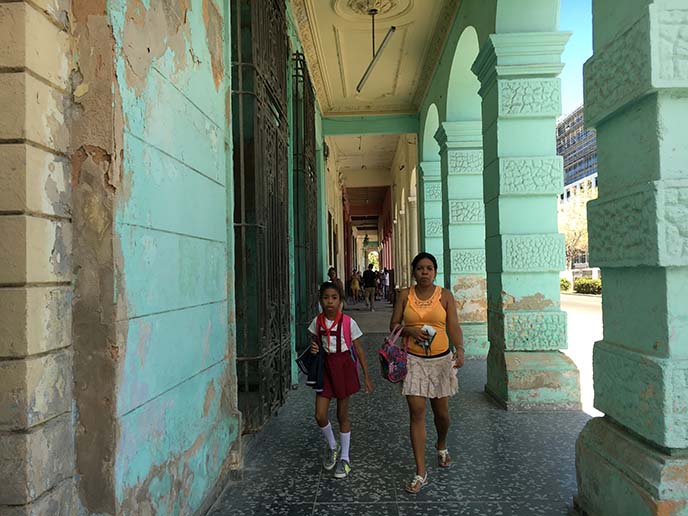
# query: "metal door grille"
306,199
259,45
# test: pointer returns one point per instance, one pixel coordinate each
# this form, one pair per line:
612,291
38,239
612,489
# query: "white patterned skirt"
430,377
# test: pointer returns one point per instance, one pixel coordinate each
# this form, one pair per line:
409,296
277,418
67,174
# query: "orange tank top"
431,312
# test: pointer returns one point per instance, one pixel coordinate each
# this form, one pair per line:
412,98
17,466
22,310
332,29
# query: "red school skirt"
341,376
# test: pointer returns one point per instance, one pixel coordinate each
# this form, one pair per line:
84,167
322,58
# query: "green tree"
373,258
573,223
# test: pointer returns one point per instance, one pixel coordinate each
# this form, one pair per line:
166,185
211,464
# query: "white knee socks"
345,437
329,435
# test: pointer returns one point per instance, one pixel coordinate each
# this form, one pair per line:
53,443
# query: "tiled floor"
506,463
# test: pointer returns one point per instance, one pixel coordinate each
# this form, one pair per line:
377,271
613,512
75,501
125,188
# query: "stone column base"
475,340
619,475
532,380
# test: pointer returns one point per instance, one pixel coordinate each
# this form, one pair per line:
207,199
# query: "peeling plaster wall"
155,376
176,400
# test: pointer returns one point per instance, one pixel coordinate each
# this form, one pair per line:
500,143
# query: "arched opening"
463,100
431,208
431,149
462,183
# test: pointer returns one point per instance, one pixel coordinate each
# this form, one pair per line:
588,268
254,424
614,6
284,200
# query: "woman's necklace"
430,293
422,306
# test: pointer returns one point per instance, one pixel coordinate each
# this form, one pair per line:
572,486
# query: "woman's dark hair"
330,285
421,256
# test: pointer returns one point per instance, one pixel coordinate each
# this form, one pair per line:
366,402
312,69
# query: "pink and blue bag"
392,357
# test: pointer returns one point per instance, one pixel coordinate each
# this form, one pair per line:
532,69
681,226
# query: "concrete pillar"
463,223
433,240
524,252
635,459
403,235
407,241
413,226
36,430
405,258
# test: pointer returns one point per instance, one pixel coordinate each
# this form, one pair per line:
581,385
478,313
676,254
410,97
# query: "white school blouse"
332,347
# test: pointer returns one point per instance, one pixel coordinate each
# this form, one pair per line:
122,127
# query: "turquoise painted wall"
176,386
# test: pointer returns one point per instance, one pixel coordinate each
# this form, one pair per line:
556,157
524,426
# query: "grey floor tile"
364,485
483,509
505,463
273,508
356,509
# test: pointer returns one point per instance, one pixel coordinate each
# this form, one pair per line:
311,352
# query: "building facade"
577,145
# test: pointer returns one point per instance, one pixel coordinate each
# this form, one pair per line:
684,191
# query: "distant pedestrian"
430,322
338,336
385,284
332,275
355,286
369,284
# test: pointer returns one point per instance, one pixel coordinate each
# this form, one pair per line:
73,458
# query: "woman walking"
430,322
355,286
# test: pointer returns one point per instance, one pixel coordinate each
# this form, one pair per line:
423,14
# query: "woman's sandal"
443,458
417,484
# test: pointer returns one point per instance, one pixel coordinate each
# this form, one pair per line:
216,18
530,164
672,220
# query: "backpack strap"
339,334
346,329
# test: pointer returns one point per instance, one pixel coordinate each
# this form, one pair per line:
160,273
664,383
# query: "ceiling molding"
388,10
303,24
333,24
432,57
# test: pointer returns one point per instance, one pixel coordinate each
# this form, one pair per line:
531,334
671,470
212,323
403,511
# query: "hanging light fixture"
376,53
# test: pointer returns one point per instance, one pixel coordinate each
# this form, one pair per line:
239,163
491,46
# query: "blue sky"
576,17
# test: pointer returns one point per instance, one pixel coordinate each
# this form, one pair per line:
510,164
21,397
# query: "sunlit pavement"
585,328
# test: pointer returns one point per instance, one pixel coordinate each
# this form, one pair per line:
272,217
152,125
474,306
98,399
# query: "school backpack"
392,357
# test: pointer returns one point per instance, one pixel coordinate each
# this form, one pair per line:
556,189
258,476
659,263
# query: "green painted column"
524,252
463,221
635,459
432,236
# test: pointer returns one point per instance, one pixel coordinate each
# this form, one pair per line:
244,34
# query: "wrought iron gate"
261,204
305,199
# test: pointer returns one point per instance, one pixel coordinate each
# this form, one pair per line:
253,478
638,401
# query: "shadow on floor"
506,463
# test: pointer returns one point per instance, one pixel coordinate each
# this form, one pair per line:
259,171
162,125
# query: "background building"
577,145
